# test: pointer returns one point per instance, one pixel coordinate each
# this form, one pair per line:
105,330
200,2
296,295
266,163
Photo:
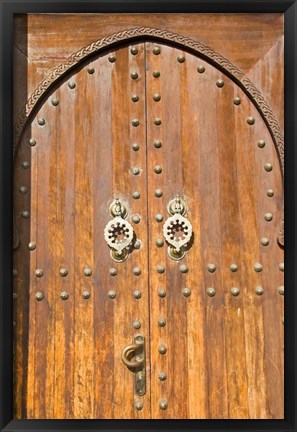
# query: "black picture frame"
10,7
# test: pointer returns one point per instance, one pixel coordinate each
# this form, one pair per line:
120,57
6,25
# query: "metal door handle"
177,229
138,350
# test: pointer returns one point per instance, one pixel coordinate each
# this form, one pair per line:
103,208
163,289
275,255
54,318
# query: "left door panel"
75,308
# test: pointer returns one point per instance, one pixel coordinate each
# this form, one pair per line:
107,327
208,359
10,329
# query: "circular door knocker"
177,229
118,232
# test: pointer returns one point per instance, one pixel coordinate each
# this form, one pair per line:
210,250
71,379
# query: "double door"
148,199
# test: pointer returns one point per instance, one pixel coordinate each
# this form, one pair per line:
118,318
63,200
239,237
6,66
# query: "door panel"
223,349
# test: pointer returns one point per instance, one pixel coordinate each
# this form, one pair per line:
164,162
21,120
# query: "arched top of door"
162,36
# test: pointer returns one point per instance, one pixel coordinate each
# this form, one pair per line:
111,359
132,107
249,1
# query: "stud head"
258,267
41,121
181,58
156,97
184,268
163,404
136,271
233,267
25,214
135,170
135,122
211,292
186,292
268,217
157,144
111,58
211,268
139,406
32,142
158,193
162,376
201,69
237,101
220,83
32,246
156,50
159,242
259,290
55,102
137,244
268,167
162,349
281,290
156,74
135,98
160,268
86,295
136,325
158,169
250,120
112,294
261,143
135,147
23,189
134,75
14,272
136,219
282,267
137,294
264,241
25,164
161,322
134,50
64,295
270,193
158,217
157,121
113,271
39,272
63,272
91,70
136,195
87,271
72,84
39,296
235,291
162,293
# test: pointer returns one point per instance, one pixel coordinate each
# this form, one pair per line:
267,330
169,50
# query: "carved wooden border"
196,47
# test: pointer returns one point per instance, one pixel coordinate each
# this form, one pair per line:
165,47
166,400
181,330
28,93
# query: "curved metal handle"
127,350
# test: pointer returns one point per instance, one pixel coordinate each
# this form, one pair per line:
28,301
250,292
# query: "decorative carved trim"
196,47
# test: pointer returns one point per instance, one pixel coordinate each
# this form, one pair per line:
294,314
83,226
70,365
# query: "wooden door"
143,122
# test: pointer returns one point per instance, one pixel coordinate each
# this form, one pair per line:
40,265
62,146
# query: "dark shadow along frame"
7,9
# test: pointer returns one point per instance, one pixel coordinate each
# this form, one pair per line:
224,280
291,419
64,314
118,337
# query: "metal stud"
158,193
211,268
87,271
136,195
13,323
233,267
201,69
134,75
282,267
41,121
157,144
160,268
139,406
159,242
158,169
135,170
259,290
91,70
261,143
156,97
235,291
25,214
268,217
250,120
162,376
72,84
14,272
32,246
137,271
112,58
162,293
157,121
184,268
39,273
63,272
137,294
237,101
163,404
158,217
270,193
14,296
258,267
135,122
113,271
136,219
161,322
25,164
136,325
32,142
181,58
39,296
23,189
135,98
156,50
268,167
162,349
64,295
211,292
264,241
220,83
112,294
55,102
86,295
186,292
135,147
281,290
137,244
134,50
156,74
